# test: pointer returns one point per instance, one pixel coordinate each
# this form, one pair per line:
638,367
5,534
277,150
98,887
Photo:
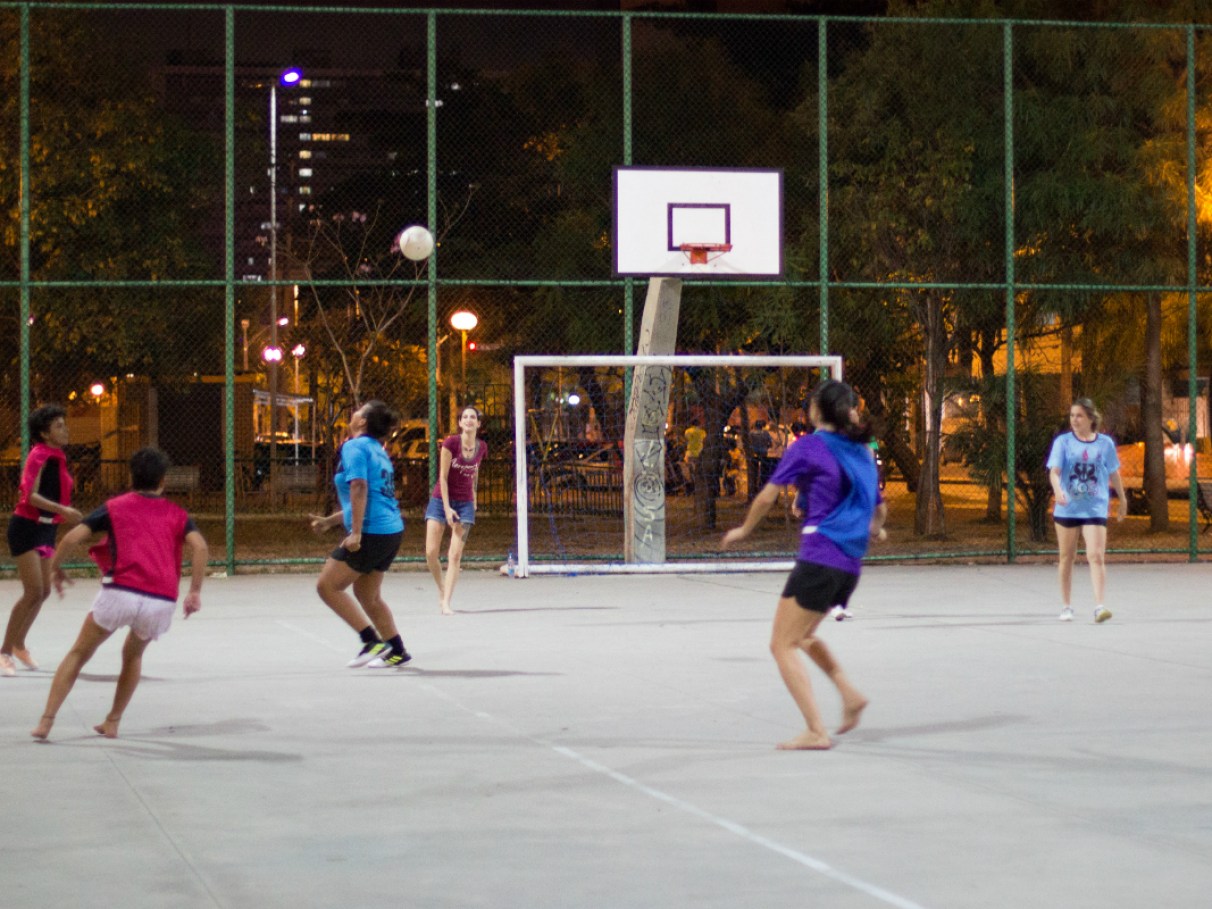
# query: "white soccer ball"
416,242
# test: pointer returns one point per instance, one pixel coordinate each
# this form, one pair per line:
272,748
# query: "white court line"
822,868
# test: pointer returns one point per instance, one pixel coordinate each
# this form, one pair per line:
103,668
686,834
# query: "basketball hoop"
701,253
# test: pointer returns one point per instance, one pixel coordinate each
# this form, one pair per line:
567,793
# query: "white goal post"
524,567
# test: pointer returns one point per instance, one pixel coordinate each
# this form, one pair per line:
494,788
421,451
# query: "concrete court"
607,742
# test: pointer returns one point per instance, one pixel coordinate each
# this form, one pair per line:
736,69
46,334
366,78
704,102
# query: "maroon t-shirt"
461,481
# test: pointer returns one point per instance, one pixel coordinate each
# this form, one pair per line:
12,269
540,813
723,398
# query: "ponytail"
838,405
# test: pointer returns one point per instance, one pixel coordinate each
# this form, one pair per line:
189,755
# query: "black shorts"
1079,522
24,535
377,553
818,588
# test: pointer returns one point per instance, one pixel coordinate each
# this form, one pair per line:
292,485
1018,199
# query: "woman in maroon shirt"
43,502
453,502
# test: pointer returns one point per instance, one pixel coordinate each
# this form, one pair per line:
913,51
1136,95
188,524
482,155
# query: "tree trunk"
896,449
1151,417
928,518
993,424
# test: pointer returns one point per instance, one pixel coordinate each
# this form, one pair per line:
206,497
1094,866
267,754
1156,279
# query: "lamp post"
244,323
286,77
464,321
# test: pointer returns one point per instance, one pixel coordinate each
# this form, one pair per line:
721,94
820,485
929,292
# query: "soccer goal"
638,464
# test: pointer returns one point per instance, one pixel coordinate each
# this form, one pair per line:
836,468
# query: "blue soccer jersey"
1085,471
364,459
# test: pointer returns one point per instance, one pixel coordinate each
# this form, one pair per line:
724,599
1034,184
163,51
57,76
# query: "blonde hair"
1096,418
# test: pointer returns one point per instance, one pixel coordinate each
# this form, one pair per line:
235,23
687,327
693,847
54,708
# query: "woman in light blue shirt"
1082,465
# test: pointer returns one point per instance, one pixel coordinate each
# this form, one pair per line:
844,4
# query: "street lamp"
298,352
286,77
464,321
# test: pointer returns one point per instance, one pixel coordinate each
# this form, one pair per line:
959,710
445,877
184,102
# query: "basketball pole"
644,435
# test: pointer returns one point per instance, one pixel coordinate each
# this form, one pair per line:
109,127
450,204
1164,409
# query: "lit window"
289,118
305,118
305,153
305,100
304,190
304,171
330,137
304,137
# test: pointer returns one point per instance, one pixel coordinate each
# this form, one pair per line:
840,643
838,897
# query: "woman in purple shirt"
453,502
834,472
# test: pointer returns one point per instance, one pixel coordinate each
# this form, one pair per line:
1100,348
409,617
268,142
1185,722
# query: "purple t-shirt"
809,467
461,481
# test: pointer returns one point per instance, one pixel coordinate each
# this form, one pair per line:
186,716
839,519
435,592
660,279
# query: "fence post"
1192,299
1011,409
229,291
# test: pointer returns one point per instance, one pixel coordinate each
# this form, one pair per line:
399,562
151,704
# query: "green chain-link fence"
984,218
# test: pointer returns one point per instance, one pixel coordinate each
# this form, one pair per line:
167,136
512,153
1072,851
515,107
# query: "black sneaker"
390,661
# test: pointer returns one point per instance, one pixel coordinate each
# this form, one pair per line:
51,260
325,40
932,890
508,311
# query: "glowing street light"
298,352
464,321
287,77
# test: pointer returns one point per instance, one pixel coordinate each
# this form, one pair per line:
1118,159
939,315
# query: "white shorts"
148,617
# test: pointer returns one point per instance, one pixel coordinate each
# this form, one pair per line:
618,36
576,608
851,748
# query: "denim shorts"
465,510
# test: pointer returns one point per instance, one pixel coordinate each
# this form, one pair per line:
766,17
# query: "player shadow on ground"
869,734
533,609
462,673
95,677
147,745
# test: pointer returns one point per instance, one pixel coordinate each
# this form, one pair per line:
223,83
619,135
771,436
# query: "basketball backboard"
698,222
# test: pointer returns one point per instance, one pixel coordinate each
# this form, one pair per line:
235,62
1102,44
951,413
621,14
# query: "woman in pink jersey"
453,502
140,561
44,501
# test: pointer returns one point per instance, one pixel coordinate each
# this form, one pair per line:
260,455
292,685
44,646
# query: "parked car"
575,466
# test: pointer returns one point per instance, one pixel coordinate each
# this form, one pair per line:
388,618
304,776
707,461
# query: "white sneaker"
840,613
1102,614
1066,614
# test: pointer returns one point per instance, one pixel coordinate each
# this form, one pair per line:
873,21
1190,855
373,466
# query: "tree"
116,191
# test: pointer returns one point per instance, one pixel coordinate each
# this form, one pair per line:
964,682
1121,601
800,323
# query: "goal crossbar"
521,477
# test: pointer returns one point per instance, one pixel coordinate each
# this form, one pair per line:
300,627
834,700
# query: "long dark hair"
837,401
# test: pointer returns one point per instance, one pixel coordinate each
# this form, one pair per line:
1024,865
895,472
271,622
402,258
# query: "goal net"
640,463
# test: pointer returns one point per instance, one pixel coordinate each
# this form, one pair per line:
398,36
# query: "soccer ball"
416,242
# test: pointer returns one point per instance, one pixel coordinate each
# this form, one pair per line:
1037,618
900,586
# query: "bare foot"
806,741
850,715
42,730
109,728
446,610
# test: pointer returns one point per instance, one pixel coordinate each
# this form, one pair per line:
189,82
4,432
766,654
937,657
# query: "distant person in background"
140,562
43,502
370,514
1081,465
696,437
760,443
453,502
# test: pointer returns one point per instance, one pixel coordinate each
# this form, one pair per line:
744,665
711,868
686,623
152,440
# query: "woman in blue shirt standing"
365,484
1081,466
